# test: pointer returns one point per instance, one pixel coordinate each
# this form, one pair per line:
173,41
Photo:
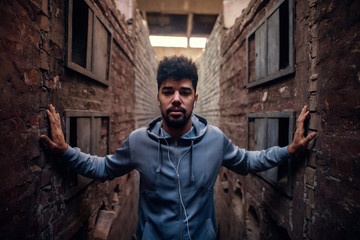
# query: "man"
178,156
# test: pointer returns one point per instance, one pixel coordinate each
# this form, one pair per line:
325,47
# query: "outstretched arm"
300,142
57,142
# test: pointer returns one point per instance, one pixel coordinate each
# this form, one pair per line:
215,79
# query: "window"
272,129
88,131
270,46
89,41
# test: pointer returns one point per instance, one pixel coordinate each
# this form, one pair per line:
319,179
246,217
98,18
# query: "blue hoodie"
176,175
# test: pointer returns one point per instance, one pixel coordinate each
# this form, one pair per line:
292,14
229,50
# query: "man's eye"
185,93
167,93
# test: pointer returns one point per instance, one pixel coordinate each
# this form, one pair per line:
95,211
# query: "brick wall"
209,76
325,195
34,73
332,176
146,107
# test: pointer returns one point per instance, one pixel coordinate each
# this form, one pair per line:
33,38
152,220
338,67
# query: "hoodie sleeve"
101,168
243,161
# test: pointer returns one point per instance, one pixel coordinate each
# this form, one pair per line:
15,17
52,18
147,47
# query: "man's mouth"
175,112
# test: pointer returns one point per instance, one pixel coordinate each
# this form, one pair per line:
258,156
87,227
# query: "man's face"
176,101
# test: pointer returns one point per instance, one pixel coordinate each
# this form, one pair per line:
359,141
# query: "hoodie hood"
198,130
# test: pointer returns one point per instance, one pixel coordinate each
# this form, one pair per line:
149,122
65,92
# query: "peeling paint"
264,97
57,83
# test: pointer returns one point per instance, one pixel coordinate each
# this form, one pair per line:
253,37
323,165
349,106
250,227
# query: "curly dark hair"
177,68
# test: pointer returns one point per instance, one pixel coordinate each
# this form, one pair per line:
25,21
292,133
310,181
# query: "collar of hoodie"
155,131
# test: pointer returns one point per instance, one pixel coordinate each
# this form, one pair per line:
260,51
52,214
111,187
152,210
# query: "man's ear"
158,100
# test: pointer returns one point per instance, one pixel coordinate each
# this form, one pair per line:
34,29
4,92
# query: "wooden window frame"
82,181
287,190
282,71
89,71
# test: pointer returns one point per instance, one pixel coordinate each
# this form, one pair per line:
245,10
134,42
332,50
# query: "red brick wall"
324,202
336,61
146,107
33,74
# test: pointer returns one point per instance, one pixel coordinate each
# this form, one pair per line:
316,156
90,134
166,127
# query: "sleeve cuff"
285,152
69,152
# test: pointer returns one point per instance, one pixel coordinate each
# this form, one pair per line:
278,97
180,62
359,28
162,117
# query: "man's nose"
176,99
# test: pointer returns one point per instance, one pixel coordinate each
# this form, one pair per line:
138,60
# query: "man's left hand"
300,142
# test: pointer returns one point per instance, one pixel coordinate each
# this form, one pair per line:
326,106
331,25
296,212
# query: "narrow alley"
263,61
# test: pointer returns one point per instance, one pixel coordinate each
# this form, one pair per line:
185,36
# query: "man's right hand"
57,142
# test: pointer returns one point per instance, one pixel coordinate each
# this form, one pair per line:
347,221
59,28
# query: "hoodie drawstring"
159,157
191,160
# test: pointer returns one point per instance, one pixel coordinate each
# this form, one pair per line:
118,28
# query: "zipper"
179,190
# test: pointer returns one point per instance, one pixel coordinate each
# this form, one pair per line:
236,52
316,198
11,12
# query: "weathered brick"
312,160
32,77
315,121
310,176
313,104
45,6
308,212
312,86
310,195
44,61
103,224
44,23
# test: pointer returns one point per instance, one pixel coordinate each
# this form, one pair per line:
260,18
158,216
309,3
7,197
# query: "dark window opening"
284,35
272,129
283,132
270,46
89,41
73,130
79,32
283,140
88,131
72,176
251,58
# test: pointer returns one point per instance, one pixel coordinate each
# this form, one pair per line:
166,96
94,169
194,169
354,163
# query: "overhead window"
89,41
88,131
272,129
270,46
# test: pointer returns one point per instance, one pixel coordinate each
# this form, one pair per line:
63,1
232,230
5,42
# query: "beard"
176,123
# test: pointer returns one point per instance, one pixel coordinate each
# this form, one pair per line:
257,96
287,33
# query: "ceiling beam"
189,25
181,6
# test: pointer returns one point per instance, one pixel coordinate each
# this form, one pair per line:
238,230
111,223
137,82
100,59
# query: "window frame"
287,190
88,70
281,72
82,181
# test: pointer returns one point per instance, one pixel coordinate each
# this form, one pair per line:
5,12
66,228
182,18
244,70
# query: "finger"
51,119
303,110
311,136
45,139
52,110
50,114
58,121
303,114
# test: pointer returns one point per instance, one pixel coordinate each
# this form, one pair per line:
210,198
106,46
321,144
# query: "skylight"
166,41
180,42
